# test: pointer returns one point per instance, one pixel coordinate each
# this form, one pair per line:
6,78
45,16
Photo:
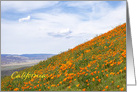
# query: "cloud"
24,19
62,33
47,31
84,4
25,6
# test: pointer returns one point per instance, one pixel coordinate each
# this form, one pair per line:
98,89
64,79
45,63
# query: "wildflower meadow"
96,65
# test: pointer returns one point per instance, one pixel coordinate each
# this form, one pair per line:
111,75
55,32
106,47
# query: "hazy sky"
55,26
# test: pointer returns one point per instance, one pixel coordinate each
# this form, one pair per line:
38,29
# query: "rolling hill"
14,58
96,65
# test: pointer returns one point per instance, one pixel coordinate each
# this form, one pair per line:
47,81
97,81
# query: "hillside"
97,65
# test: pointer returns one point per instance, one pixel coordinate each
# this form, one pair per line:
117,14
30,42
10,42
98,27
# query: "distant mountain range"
15,58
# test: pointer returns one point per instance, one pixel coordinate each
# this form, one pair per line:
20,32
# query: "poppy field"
96,65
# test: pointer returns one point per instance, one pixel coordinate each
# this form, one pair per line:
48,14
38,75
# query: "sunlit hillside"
96,65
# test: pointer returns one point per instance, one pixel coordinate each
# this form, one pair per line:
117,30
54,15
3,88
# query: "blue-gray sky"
55,26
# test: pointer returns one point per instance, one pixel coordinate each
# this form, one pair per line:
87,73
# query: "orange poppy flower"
121,89
106,87
84,89
118,86
86,80
16,89
91,73
93,79
77,85
99,80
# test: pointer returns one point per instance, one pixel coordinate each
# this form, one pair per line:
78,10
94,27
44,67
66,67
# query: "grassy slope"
99,64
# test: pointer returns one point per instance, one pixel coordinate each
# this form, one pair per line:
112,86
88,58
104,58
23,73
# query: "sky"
52,27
